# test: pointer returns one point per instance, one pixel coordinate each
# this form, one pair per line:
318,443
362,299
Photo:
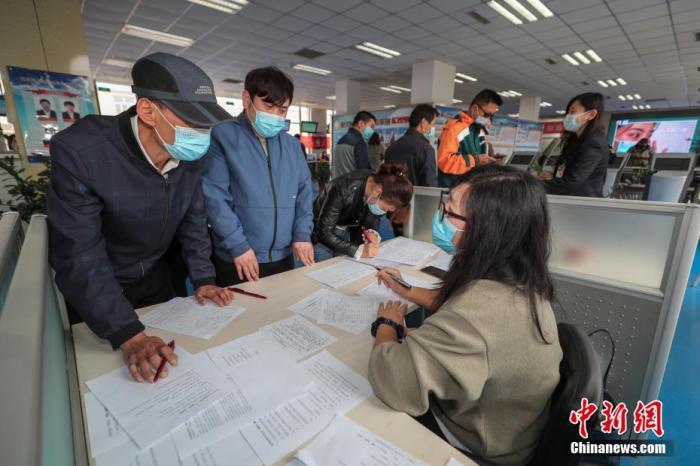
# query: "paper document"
312,305
406,251
338,389
298,336
186,316
381,293
232,450
247,348
441,261
258,384
104,431
453,462
382,264
341,273
345,442
353,314
148,412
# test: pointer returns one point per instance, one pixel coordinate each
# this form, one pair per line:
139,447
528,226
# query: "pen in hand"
161,366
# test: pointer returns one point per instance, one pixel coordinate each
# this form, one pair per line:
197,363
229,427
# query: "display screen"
665,135
309,126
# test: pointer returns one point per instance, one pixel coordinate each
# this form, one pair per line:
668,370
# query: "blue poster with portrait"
46,103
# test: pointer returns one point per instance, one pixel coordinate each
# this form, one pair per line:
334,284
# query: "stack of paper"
353,314
186,316
406,251
345,442
271,405
341,273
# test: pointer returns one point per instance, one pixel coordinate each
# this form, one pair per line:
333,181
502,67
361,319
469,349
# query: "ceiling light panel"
311,69
579,58
519,8
221,5
390,89
505,13
158,36
466,77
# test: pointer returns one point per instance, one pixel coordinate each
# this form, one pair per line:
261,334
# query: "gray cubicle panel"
674,173
522,161
609,276
39,396
11,236
614,173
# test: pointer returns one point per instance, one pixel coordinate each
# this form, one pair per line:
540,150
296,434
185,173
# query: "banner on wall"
46,103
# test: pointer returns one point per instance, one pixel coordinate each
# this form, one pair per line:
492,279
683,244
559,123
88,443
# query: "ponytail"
396,187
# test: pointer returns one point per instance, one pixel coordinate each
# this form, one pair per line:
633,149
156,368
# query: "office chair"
581,377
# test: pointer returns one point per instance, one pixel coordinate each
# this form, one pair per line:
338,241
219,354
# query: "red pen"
247,293
161,366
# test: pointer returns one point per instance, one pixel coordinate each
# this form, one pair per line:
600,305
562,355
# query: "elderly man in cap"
122,189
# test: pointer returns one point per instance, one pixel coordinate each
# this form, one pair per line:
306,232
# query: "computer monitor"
309,126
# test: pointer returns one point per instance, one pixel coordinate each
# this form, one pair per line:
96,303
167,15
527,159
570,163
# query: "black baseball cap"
179,84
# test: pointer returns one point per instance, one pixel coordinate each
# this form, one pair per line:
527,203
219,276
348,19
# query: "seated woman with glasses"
481,369
347,213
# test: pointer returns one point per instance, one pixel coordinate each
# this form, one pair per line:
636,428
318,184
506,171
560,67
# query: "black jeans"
226,274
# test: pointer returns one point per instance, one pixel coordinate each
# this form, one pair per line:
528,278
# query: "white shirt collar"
169,165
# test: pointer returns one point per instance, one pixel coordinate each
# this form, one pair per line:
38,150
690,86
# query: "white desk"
94,357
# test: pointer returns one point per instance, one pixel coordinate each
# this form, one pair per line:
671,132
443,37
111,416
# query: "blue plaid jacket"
112,216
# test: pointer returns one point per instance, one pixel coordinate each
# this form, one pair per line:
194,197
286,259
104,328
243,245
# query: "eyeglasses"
486,114
444,212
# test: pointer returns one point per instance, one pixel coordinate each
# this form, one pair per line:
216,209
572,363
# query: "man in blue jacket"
257,186
122,188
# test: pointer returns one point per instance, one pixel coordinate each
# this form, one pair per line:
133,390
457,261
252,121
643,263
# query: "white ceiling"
649,43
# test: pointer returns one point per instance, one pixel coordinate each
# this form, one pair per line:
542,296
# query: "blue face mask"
430,134
444,233
266,124
571,122
190,143
375,209
367,133
482,121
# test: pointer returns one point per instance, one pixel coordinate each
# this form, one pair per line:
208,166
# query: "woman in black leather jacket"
353,202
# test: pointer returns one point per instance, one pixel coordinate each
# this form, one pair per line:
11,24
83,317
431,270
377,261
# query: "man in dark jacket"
122,188
351,151
414,150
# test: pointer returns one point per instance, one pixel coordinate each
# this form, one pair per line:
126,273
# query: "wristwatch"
400,330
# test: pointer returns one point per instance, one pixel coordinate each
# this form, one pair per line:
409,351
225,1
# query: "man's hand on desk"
143,353
304,252
247,266
220,296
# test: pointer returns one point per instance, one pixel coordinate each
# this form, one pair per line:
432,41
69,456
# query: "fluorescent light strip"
648,106
311,69
389,106
399,88
612,83
505,13
372,51
456,101
117,62
635,107
514,115
226,7
621,97
621,81
545,104
629,97
518,94
465,76
637,96
561,112
541,8
330,97
582,58
390,89
379,48
594,56
570,59
150,34
603,83
517,6
459,81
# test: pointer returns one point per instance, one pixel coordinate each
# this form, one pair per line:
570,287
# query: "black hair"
396,187
68,102
45,100
298,136
374,139
363,115
422,111
589,101
485,97
270,84
506,238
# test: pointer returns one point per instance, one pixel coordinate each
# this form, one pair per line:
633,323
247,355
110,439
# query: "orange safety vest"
450,161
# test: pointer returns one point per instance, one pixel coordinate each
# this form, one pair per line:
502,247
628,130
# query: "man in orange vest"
462,145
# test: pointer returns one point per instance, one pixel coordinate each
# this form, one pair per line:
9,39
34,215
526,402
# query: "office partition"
672,177
39,396
10,244
617,265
